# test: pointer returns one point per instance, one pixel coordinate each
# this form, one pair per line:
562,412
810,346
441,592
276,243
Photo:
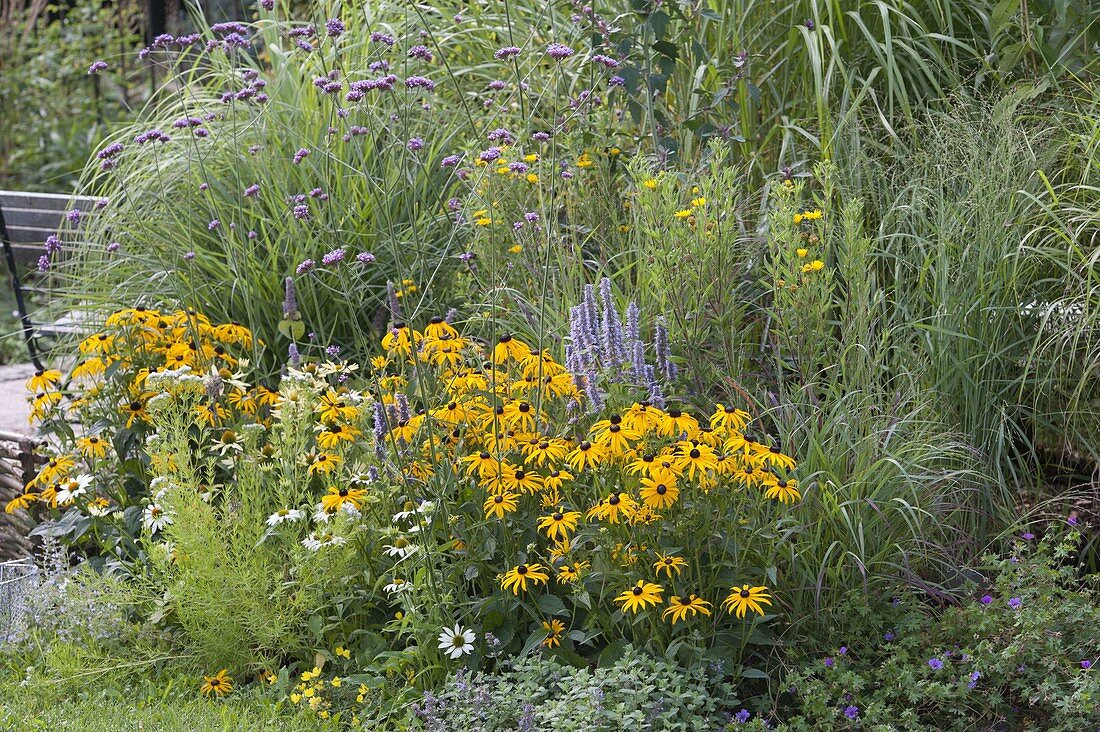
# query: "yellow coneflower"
554,629
669,564
324,463
516,578
337,497
43,379
659,493
639,596
612,509
219,684
745,598
559,524
500,504
679,608
785,490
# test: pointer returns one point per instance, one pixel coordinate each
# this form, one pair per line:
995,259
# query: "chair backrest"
31,217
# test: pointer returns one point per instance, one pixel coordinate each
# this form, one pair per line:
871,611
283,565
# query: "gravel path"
14,409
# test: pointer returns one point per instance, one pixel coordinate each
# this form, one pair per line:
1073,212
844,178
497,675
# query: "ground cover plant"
610,366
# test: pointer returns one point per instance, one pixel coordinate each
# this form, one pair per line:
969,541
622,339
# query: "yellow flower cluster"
107,386
499,424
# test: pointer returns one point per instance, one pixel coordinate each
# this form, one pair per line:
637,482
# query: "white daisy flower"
398,585
400,548
74,488
456,642
284,514
317,540
156,518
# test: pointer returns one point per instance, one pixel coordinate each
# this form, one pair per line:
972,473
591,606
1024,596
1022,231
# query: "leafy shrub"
1022,654
634,692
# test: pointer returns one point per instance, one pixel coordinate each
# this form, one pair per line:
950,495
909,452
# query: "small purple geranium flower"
986,599
851,711
935,664
1015,603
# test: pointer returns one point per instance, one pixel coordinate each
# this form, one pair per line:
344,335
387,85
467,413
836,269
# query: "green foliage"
1018,655
55,113
631,692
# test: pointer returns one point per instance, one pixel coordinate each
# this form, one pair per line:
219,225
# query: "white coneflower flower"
456,642
73,488
401,548
398,585
322,515
317,540
156,518
284,514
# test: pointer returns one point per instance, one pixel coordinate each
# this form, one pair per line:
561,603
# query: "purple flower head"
301,155
44,263
986,599
365,257
414,144
113,247
506,53
1015,603
616,81
743,716
829,662
333,350
809,24
851,711
540,136
290,298
151,136
502,136
267,4
377,37
188,256
53,244
252,191
1072,520
606,61
419,82
559,51
97,66
488,156
336,255
450,161
888,636
301,212
1086,665
973,682
214,223
334,27
1027,536
518,167
496,85
421,52
935,664
204,186
305,266
294,355
843,650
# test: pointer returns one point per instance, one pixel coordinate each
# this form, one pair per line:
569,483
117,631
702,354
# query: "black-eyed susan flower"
639,596
676,423
725,418
669,564
335,406
92,446
337,497
569,573
559,524
324,463
614,508
21,502
545,450
695,459
514,478
586,455
555,479
219,684
680,608
516,578
331,435
500,504
744,598
554,629
484,463
785,490
43,379
659,493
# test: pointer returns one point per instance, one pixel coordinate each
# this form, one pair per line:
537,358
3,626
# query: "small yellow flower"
802,252
342,652
684,214
637,597
516,249
219,684
698,202
651,184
